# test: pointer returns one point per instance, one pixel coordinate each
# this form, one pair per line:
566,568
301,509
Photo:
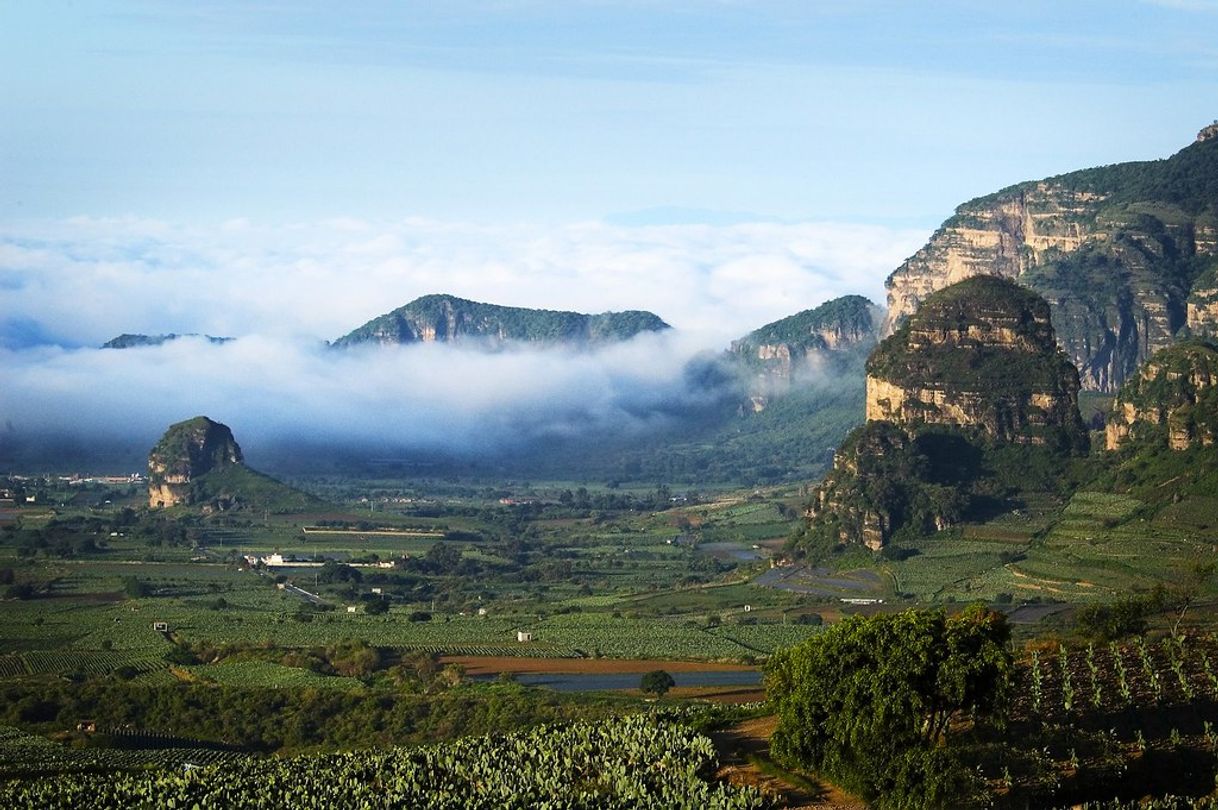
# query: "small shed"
523,636
161,627
352,608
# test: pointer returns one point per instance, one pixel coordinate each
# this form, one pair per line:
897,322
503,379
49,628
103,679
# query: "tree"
135,589
869,702
657,682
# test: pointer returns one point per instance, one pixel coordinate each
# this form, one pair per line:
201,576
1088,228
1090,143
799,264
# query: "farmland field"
631,762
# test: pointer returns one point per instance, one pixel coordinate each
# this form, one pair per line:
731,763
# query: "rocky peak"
187,451
1172,401
974,371
980,354
1208,132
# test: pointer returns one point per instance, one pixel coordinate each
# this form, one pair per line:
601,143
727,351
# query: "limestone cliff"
980,354
1114,250
1173,401
1203,304
188,451
823,339
446,318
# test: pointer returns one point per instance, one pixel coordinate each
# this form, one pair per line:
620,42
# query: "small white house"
481,611
352,608
523,636
378,591
161,627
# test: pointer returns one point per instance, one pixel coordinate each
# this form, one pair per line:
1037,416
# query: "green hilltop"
443,318
850,318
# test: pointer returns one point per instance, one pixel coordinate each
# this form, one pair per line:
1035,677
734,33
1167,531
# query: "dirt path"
742,746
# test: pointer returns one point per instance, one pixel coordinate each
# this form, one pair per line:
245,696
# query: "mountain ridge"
446,318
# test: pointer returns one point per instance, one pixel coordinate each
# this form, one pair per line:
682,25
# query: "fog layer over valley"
371,401
67,287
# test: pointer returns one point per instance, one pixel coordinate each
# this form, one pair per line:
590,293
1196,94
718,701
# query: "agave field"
639,761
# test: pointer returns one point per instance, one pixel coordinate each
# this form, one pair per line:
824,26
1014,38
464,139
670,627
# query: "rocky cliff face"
981,355
446,318
1172,401
1114,250
187,451
816,340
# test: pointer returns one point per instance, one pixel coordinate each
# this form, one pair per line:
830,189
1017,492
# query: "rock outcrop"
976,369
1114,250
1203,304
816,340
980,355
188,451
446,318
1173,401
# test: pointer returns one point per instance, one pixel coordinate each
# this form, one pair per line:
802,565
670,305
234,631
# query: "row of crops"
640,761
88,662
1114,677
28,755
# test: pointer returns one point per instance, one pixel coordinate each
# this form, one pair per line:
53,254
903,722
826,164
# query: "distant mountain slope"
129,341
826,339
448,318
1120,252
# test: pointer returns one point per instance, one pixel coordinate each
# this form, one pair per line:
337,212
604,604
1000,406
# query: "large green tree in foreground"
870,702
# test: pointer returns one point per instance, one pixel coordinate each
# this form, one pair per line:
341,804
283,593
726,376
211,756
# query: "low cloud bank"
81,282
276,393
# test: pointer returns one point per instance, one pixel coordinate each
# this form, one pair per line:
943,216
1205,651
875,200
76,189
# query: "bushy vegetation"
870,701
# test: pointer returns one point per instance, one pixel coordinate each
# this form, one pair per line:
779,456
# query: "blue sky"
630,112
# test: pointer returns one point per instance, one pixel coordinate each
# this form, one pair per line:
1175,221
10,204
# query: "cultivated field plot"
264,674
633,761
1130,719
25,755
1097,548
